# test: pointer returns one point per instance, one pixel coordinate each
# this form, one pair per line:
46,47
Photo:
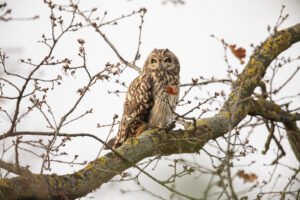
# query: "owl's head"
162,60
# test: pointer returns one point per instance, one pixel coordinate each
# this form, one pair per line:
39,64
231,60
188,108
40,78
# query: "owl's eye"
153,60
168,60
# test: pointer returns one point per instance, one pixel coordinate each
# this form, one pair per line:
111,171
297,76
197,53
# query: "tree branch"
271,111
12,168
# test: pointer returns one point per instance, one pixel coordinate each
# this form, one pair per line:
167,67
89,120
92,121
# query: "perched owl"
147,105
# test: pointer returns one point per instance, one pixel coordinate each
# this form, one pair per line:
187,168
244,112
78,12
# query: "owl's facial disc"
161,60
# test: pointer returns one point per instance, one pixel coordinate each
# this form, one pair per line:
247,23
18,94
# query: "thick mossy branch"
271,111
255,70
158,141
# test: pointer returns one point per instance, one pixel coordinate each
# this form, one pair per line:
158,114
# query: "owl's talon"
140,129
170,126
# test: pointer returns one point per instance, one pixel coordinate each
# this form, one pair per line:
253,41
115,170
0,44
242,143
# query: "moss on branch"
271,111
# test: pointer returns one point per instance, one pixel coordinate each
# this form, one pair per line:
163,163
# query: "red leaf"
247,177
240,53
171,91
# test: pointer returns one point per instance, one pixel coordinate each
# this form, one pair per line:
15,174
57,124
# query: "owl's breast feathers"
161,112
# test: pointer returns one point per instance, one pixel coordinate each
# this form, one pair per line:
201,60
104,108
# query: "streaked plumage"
147,105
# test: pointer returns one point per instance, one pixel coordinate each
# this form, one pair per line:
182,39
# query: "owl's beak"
160,66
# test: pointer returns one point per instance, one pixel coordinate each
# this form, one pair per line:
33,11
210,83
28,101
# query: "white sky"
184,30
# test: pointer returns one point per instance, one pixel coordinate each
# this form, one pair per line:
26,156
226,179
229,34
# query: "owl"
147,104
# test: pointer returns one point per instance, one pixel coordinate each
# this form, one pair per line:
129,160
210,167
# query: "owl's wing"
137,107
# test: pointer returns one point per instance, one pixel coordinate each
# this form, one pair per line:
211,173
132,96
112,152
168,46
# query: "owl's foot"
140,129
170,126
166,127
